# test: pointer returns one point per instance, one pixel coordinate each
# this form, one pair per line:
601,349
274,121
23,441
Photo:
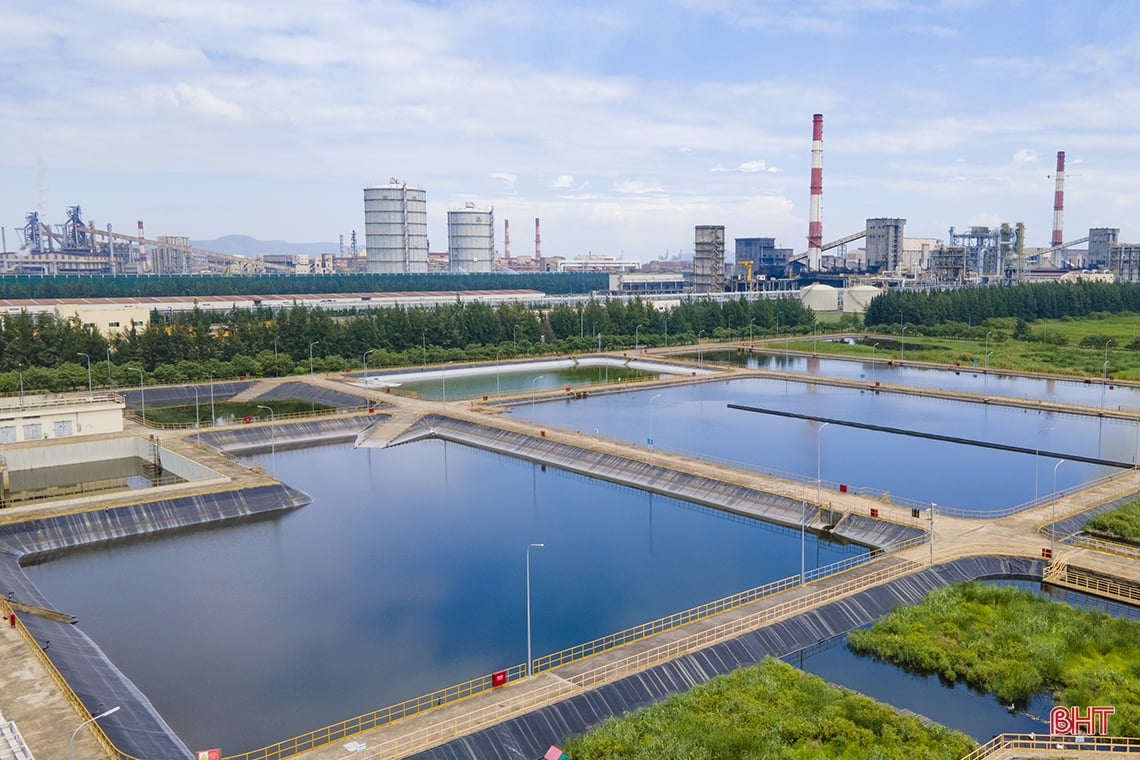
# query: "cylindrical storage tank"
471,239
819,297
395,229
857,299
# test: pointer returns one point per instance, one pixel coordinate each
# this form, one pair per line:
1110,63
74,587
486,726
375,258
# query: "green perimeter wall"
119,286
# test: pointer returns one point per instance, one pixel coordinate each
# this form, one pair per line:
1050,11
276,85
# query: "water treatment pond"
694,419
406,574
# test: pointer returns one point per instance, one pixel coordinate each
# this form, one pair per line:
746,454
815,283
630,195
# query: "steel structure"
471,239
395,228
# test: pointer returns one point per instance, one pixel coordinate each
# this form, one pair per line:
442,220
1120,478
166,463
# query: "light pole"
987,343
424,339
902,345
665,317
803,536
315,342
532,382
110,379
71,742
213,417
751,322
874,348
528,657
1036,461
700,351
272,438
197,418
1053,520
142,392
364,361
818,464
636,338
650,441
88,358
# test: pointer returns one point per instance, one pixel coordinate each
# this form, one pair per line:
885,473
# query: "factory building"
1124,261
708,259
766,258
885,244
471,239
1100,240
395,229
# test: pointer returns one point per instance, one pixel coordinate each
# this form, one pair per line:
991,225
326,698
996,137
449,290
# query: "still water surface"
695,419
406,574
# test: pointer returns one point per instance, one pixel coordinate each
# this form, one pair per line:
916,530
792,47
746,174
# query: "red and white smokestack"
815,214
507,239
537,242
1059,201
142,243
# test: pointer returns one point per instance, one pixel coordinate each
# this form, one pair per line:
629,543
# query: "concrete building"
766,258
1124,261
708,259
471,239
395,228
34,418
647,282
1100,240
884,247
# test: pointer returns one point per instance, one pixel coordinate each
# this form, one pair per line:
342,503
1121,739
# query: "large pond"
968,378
405,575
695,419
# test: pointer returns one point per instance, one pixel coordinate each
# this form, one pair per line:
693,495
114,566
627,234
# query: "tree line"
54,353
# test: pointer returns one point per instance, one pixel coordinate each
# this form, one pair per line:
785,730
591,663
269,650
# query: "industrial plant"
396,242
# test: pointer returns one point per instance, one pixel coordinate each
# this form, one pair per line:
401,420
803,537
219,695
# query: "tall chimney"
1059,201
142,243
815,214
507,240
110,249
537,242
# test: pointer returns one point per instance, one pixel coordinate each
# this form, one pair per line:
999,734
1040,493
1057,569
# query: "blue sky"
621,124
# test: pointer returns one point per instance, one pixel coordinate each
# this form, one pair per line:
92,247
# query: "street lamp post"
1053,520
142,392
213,417
315,342
71,742
902,345
532,382
272,437
751,322
364,361
110,379
423,338
700,350
874,349
637,338
197,417
650,441
818,494
528,656
88,358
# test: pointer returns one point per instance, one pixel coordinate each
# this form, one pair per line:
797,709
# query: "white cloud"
751,167
637,187
563,181
506,177
1025,156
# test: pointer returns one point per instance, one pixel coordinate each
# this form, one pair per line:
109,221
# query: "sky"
621,124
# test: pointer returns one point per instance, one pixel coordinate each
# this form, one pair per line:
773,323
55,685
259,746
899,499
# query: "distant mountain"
244,245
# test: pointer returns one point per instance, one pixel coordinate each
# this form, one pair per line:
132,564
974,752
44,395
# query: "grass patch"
1015,644
770,710
1120,524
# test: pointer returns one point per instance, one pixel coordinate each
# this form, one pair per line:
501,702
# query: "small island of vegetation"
1120,524
1015,644
770,710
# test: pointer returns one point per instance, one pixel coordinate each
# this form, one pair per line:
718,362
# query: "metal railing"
1015,745
336,412
89,488
550,691
358,724
68,693
1128,551
1094,584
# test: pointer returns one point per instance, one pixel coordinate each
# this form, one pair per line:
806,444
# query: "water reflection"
397,581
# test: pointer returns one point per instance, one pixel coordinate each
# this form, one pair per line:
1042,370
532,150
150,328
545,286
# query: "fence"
1016,745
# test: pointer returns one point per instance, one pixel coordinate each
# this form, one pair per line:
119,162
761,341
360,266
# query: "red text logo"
1066,721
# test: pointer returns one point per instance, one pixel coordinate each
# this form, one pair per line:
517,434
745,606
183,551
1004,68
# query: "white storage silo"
819,297
395,228
858,298
471,239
